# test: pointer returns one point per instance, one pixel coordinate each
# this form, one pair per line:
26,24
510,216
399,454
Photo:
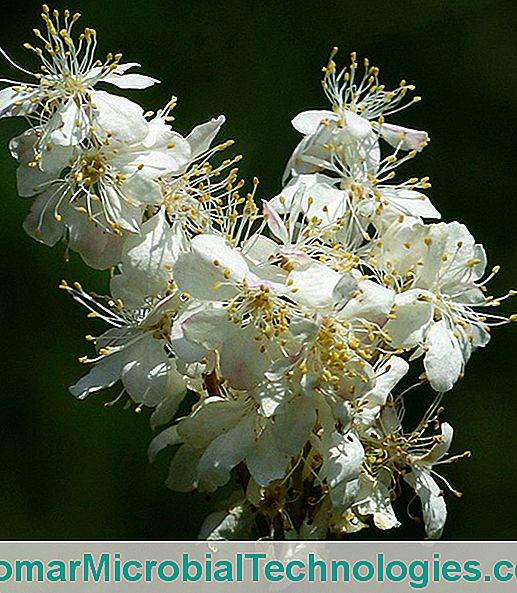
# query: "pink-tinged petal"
405,138
275,223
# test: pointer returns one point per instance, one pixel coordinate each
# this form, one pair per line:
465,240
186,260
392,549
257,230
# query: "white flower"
138,349
438,270
355,192
244,317
366,97
343,143
359,108
220,433
63,101
421,479
327,128
97,192
134,352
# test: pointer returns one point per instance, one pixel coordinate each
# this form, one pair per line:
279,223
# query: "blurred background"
78,470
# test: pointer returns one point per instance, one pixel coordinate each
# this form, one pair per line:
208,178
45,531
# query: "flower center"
91,169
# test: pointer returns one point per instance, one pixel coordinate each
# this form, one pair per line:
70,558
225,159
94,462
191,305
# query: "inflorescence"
293,322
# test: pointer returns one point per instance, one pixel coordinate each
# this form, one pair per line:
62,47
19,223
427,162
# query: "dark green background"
77,470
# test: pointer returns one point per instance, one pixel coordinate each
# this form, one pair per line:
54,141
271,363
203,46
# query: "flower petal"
405,138
308,122
209,269
202,136
224,453
314,285
343,465
146,370
413,313
434,508
102,375
282,438
443,361
120,117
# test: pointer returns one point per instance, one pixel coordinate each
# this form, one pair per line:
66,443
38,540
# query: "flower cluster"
290,324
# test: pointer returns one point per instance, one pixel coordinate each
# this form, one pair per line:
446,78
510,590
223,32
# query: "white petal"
346,289
259,248
386,378
183,475
40,223
116,206
270,394
224,453
308,122
30,179
355,128
275,223
213,417
283,438
314,285
410,202
141,189
99,249
130,81
207,325
175,390
164,151
413,313
71,124
147,261
373,302
434,508
202,136
167,438
120,117
196,273
439,449
406,138
242,362
159,161
376,503
236,523
145,371
103,374
167,408
345,458
317,196
443,361
14,103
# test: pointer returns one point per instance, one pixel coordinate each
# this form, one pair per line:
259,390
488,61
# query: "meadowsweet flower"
426,487
221,432
62,102
357,119
438,272
97,192
137,349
